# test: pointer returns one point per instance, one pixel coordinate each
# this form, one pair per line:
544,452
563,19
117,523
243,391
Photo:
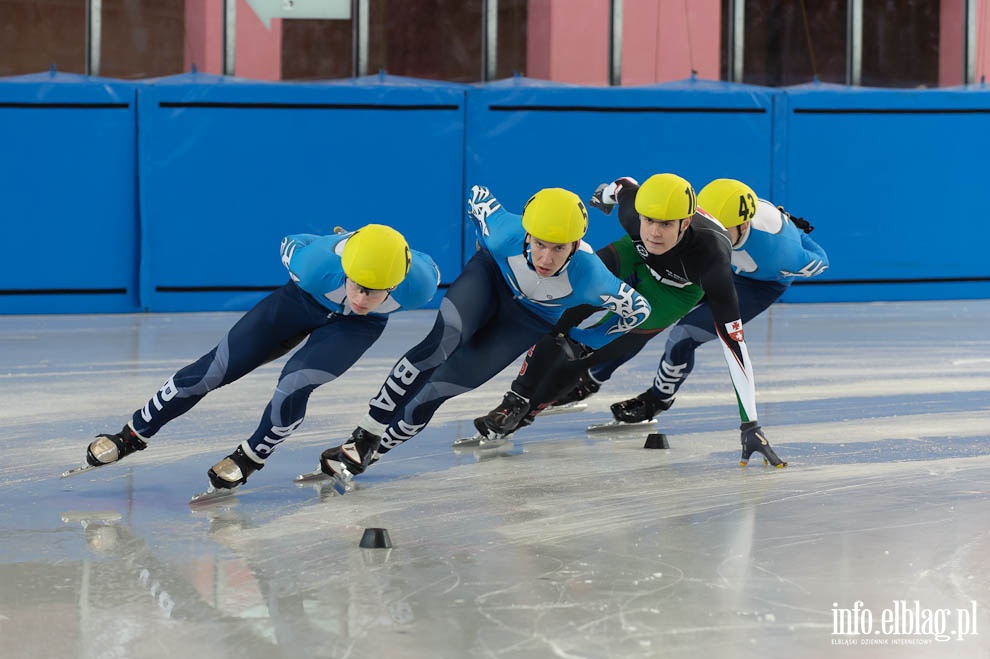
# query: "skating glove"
606,195
481,204
569,348
799,222
755,441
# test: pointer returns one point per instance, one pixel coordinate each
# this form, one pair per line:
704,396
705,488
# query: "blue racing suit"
311,307
493,312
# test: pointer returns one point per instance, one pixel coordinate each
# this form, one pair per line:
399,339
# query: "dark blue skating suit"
773,254
313,307
493,312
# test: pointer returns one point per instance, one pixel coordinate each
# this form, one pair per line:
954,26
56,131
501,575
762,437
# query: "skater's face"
548,258
364,300
660,236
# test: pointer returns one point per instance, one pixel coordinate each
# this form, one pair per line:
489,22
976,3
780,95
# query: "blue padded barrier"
895,183
524,135
68,202
228,167
177,201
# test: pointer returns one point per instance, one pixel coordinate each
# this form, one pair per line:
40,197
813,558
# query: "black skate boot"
585,388
641,408
532,414
106,449
353,456
233,470
754,441
504,419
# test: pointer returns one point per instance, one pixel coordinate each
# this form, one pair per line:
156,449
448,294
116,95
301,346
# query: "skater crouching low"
341,291
676,255
529,269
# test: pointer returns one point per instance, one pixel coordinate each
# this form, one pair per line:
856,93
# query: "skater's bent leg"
604,361
756,296
285,313
697,328
547,367
678,357
414,369
571,377
471,301
604,368
329,353
551,369
473,364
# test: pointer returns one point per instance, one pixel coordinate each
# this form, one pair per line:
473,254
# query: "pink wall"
950,39
567,41
204,36
982,41
664,41
258,49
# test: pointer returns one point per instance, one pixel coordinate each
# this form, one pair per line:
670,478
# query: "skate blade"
311,477
576,406
766,463
489,444
78,470
480,442
339,484
211,495
467,442
621,426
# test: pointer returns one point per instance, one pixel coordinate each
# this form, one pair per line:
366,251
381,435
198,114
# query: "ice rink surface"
561,544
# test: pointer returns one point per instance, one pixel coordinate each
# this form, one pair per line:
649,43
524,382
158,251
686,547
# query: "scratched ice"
561,544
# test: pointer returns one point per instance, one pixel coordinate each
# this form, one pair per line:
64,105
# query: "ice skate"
342,463
107,449
226,476
585,388
497,426
754,441
644,407
484,436
233,470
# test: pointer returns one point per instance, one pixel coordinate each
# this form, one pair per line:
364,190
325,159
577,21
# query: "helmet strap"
527,252
742,230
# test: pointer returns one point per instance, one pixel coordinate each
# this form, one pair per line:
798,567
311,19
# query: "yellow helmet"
729,201
666,197
376,256
555,215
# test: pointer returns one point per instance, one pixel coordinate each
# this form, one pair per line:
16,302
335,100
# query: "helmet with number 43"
729,201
